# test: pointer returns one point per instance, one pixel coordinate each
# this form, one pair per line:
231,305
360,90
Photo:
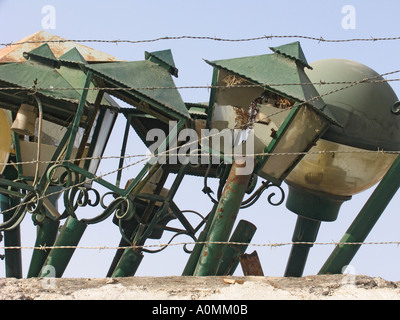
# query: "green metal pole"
78,116
128,264
45,236
58,258
198,247
364,222
306,230
12,238
118,255
243,233
224,219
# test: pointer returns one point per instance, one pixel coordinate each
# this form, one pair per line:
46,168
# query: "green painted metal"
364,222
42,52
71,69
284,66
364,110
147,74
314,205
293,51
45,237
306,230
70,234
12,238
46,233
269,149
69,66
123,150
224,219
212,96
243,233
29,73
128,264
78,116
198,247
146,228
117,256
72,56
163,58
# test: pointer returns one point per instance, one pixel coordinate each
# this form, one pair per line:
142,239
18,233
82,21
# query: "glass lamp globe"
364,110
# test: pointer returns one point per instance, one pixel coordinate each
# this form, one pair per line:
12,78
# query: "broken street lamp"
339,165
287,120
48,155
272,95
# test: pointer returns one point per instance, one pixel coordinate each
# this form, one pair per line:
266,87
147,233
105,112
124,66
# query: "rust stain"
14,53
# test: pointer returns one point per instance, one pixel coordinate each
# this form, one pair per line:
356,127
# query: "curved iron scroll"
222,172
257,194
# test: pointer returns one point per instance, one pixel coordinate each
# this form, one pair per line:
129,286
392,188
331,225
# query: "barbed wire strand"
321,83
217,39
272,245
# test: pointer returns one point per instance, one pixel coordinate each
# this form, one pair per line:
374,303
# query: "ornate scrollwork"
257,194
81,196
31,202
66,179
121,206
221,173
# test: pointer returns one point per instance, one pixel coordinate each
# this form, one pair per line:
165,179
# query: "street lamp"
55,142
339,165
271,94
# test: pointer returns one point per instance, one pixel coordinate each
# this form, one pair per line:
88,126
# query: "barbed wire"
320,83
166,153
210,38
159,245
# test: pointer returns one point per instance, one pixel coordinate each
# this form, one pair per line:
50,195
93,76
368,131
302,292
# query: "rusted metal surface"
59,46
251,264
223,221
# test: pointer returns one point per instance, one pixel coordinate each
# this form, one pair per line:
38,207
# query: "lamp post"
56,140
339,165
285,120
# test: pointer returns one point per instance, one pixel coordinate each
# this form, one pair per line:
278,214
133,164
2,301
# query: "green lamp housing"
272,95
43,70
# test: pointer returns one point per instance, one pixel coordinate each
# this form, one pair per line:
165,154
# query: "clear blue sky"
138,20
